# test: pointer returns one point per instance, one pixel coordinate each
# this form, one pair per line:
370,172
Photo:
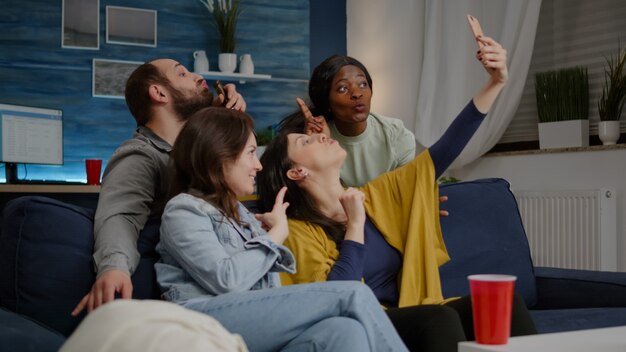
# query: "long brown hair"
273,177
211,138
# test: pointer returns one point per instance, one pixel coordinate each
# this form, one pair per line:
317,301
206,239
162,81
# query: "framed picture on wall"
131,26
80,24
109,77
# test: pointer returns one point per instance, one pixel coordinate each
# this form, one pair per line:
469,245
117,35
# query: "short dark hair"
137,94
321,81
211,137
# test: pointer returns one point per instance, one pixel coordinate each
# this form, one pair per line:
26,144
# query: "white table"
595,340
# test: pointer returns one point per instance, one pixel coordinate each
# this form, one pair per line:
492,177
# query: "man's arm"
124,206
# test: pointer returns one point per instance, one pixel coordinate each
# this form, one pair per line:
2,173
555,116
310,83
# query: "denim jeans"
329,316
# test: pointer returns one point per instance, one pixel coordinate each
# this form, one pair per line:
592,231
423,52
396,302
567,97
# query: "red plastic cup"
94,167
492,303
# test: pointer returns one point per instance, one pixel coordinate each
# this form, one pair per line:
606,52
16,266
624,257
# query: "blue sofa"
484,234
46,266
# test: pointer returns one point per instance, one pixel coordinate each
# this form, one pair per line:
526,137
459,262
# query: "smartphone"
218,88
476,29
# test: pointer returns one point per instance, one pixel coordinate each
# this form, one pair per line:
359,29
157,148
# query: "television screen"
31,135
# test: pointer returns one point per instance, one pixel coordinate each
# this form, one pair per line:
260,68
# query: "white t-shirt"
384,145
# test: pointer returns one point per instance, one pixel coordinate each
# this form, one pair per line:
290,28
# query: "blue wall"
35,70
328,29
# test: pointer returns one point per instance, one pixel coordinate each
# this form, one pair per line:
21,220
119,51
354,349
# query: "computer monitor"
30,135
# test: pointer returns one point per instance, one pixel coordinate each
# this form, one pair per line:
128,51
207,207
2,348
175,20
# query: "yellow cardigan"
404,206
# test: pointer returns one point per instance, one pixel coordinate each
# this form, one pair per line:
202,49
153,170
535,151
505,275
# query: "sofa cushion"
484,235
559,288
19,333
46,262
557,320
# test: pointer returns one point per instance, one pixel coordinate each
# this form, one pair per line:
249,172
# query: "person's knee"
361,291
332,334
440,315
448,314
353,291
522,322
343,326
518,300
342,334
347,285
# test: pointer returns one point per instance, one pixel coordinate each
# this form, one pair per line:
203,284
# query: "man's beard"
185,106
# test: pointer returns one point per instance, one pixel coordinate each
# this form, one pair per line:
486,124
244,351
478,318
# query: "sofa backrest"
484,234
46,263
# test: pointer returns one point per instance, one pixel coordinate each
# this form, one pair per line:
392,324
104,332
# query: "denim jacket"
203,252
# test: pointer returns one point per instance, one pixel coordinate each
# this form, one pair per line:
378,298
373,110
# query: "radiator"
571,229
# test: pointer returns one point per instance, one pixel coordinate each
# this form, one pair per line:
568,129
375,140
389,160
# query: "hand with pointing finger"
313,124
276,220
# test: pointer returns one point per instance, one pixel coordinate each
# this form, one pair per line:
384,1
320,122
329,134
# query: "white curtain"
421,56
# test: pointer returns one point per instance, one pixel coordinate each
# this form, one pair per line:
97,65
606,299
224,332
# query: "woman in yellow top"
386,233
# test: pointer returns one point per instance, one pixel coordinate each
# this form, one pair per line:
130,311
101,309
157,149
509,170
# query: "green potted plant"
563,107
225,15
613,97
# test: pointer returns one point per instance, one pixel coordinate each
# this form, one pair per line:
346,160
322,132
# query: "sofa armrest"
570,288
19,333
46,263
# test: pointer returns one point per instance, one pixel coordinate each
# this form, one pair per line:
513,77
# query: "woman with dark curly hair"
386,233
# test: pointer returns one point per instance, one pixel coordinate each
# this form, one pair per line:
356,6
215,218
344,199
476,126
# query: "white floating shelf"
234,76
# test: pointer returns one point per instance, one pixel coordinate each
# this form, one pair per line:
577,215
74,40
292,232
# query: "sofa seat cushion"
557,320
19,333
46,264
484,234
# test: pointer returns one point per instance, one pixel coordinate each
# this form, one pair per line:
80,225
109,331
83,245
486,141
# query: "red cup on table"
94,168
492,305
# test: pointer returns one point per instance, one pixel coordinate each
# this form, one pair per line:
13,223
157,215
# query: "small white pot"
564,134
227,62
608,131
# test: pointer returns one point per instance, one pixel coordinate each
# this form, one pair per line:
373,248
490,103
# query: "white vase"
246,66
227,62
201,62
608,131
563,134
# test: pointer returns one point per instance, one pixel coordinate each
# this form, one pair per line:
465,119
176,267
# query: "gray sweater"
134,189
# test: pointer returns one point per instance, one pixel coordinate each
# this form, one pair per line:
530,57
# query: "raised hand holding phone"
476,29
218,87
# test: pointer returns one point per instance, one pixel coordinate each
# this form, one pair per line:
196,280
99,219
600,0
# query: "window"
570,33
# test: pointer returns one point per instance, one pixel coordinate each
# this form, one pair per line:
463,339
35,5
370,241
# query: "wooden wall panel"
35,70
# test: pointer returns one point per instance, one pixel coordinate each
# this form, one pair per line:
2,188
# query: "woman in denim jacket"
217,258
